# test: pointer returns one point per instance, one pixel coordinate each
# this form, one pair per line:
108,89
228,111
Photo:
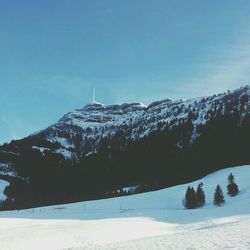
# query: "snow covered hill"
153,220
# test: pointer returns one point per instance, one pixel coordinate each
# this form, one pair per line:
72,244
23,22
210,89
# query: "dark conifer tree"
218,196
190,198
200,196
232,187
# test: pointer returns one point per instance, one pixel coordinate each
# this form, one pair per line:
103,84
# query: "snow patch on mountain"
41,149
65,143
67,154
3,185
7,169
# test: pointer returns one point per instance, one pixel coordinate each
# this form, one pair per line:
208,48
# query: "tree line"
196,198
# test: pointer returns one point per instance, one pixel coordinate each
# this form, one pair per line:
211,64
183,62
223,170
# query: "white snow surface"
67,154
153,220
3,185
41,149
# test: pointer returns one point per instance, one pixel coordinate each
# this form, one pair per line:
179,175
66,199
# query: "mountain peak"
125,107
129,144
94,106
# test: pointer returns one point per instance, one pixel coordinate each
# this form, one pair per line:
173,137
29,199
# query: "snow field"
153,220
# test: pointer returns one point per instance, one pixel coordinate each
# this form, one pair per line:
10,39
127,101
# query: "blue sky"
52,53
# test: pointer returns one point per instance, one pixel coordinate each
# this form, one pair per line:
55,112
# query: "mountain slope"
91,152
153,220
96,122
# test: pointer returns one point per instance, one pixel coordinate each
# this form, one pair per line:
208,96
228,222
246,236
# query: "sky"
53,52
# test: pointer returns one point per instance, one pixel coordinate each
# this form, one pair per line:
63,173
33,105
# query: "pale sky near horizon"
53,52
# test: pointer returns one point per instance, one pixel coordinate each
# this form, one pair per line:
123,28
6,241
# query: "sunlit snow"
153,220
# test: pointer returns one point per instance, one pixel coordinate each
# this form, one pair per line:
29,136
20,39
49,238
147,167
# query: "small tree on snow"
232,187
200,196
190,198
218,196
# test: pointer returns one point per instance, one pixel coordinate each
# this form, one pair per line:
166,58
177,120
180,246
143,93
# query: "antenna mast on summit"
93,100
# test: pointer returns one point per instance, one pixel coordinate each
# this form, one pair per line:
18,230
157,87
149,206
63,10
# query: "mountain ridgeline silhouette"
94,151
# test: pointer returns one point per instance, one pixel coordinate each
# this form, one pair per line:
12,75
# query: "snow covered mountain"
84,129
116,146
154,221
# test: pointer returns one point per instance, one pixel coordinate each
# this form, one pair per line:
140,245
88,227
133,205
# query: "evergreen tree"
232,187
190,198
200,196
218,196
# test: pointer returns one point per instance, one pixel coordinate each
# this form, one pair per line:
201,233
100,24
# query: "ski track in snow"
150,221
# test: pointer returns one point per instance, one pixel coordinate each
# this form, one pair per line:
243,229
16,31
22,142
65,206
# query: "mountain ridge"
152,146
88,117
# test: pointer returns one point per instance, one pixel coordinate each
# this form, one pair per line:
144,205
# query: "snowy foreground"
154,220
